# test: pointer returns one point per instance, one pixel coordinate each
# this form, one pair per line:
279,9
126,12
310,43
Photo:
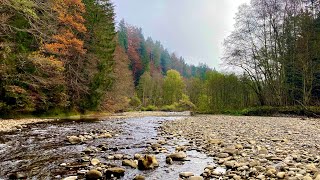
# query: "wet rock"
110,157
83,171
169,160
118,156
137,156
185,174
105,135
88,151
85,159
147,162
19,126
129,163
95,161
155,146
93,175
74,139
181,148
63,164
71,178
178,156
17,176
139,177
115,172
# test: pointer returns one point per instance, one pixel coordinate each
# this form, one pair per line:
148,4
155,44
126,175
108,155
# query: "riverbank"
254,147
16,124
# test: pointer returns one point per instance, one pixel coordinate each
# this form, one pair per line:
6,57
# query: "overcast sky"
194,29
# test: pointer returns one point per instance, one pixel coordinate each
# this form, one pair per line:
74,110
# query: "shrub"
149,108
135,101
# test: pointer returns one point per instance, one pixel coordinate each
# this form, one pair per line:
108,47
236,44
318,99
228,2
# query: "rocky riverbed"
253,147
162,146
117,147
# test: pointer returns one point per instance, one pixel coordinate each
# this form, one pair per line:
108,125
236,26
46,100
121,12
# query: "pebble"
186,174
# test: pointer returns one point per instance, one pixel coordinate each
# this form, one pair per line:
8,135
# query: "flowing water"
37,151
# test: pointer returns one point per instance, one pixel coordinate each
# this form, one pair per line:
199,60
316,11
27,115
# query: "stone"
317,177
271,172
105,135
263,151
74,139
169,160
311,168
229,164
93,175
17,176
155,146
222,155
139,177
118,156
178,156
95,161
307,178
261,176
85,159
63,164
83,171
231,151
195,178
186,174
238,146
215,141
254,163
115,171
71,178
236,177
281,175
137,156
88,150
147,162
129,163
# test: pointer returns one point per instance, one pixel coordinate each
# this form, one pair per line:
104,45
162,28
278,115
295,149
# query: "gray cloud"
194,29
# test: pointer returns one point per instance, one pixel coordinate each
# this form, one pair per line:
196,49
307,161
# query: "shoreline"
7,125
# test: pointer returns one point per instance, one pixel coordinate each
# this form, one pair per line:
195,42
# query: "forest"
70,56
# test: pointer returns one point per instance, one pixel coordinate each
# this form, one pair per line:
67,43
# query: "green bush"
169,108
149,108
135,101
311,111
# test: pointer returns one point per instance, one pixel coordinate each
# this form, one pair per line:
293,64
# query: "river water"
37,151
